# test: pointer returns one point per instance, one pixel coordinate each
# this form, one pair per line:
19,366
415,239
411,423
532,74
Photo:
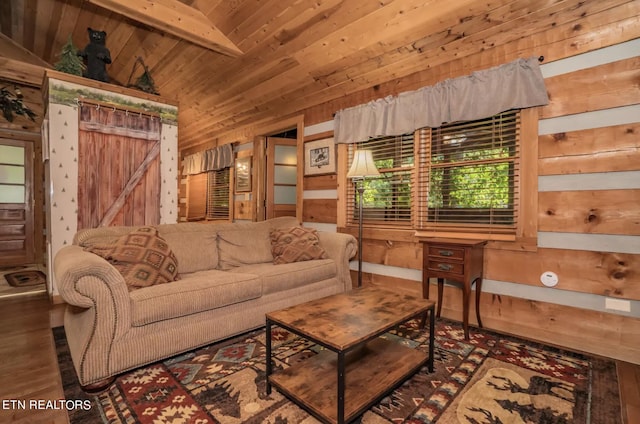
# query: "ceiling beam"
12,50
175,18
21,72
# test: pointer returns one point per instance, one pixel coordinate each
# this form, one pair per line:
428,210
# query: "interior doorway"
17,236
277,156
281,177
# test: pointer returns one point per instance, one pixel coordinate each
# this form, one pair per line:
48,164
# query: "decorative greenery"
12,104
70,62
145,81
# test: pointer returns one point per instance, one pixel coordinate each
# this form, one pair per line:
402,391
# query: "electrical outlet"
617,304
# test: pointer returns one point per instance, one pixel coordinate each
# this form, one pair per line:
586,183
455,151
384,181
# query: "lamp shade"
363,165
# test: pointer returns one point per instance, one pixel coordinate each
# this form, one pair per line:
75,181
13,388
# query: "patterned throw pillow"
296,244
142,257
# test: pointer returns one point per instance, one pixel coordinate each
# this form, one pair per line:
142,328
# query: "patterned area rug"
489,379
26,278
22,280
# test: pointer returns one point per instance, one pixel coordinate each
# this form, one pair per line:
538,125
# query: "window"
197,197
218,194
13,185
208,196
469,175
468,179
387,198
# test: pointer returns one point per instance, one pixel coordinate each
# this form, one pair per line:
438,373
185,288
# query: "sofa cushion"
296,244
142,257
243,247
102,235
195,245
277,278
246,243
193,293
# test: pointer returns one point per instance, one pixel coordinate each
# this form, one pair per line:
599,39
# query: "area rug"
490,378
27,278
22,280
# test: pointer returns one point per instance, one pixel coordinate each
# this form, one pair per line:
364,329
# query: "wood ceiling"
295,54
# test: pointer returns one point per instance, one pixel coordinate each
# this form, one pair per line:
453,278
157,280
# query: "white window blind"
469,175
218,194
387,198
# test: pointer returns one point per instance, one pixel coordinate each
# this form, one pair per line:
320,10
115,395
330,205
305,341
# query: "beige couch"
227,283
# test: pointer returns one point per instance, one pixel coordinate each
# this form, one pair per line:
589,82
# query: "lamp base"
360,187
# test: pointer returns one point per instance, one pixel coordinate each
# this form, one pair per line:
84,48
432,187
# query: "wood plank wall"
588,201
588,171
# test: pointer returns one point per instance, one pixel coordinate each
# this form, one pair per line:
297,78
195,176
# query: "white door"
281,177
16,202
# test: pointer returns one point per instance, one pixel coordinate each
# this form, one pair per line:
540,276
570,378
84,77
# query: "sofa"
226,280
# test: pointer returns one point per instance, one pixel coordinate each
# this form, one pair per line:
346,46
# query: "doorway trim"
259,152
33,196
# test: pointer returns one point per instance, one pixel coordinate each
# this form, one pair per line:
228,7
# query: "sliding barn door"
119,168
16,202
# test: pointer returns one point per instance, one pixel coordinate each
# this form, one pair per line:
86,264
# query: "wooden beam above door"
175,18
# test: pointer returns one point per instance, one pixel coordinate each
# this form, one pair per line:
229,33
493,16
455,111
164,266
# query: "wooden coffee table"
358,368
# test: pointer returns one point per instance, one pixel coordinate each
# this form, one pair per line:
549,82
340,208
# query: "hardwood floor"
29,368
629,380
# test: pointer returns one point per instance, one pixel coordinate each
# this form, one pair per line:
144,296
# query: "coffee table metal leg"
432,338
268,359
340,388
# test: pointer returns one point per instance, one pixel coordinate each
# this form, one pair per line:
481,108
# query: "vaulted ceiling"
294,54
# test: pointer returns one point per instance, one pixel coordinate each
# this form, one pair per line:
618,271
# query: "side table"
457,260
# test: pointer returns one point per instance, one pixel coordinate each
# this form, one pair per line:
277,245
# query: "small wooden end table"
358,368
457,260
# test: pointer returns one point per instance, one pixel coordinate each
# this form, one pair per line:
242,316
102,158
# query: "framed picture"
320,157
243,175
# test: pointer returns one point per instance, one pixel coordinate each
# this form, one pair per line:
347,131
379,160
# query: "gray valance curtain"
209,160
515,85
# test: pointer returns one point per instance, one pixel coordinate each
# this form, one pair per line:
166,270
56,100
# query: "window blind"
469,175
387,198
196,197
218,194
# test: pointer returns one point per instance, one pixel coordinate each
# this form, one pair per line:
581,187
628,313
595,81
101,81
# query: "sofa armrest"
341,248
83,278
98,311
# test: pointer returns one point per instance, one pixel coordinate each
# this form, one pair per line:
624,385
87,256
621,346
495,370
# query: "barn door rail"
117,107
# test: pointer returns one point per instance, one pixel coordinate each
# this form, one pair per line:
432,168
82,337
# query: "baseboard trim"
56,299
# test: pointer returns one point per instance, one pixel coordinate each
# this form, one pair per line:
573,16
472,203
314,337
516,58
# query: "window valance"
209,160
514,85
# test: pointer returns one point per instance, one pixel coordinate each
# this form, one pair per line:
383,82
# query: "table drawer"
447,252
448,267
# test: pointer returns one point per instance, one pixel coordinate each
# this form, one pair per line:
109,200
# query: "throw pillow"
142,257
296,244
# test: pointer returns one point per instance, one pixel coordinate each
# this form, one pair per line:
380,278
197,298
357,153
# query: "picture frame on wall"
320,157
243,175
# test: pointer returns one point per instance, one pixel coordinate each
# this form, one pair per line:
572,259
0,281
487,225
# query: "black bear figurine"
97,55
